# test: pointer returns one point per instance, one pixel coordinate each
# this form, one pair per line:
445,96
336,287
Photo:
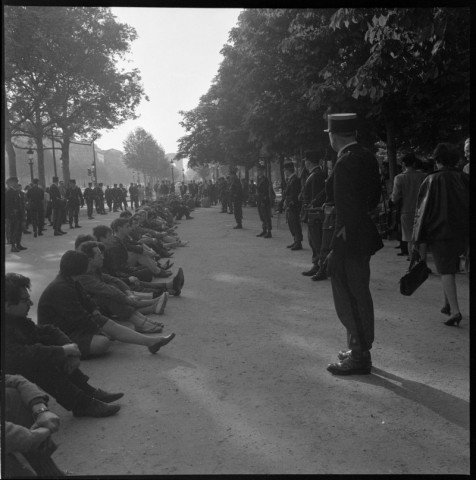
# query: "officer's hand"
47,420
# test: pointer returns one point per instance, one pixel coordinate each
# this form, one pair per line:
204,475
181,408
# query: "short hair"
12,180
72,180
101,231
36,181
73,263
446,154
90,183
118,223
125,214
409,159
81,238
289,167
55,179
88,248
14,282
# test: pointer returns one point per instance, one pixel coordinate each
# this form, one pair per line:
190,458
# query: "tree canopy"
405,71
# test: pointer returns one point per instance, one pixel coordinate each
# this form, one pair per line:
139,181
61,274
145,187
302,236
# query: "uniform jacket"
291,194
89,194
17,437
65,304
357,191
263,191
29,346
236,190
313,193
13,203
99,193
442,211
74,196
35,197
55,194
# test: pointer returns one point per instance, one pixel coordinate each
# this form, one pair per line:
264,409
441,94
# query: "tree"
64,72
144,154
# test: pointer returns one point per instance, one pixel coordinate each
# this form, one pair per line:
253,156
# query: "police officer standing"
313,195
57,203
13,215
236,197
35,197
89,197
357,191
264,202
99,198
293,205
75,200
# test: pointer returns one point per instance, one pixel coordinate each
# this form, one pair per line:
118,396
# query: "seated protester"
116,265
125,214
114,296
168,241
28,428
44,355
83,237
65,304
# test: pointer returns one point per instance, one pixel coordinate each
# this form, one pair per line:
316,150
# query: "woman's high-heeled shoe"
454,320
446,309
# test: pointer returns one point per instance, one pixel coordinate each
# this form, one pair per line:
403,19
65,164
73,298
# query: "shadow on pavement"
451,408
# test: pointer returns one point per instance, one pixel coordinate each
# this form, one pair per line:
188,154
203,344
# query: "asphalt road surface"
243,388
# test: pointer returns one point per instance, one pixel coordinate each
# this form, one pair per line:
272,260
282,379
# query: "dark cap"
313,156
341,123
289,166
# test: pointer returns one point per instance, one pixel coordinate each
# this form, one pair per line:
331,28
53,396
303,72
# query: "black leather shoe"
290,246
454,321
297,246
310,273
320,275
162,342
35,234
237,227
106,397
268,235
70,227
77,226
14,249
57,234
40,234
262,234
343,354
96,409
178,280
351,366
21,247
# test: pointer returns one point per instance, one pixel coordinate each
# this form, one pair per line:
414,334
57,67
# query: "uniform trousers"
314,235
238,211
37,218
264,211
350,278
73,213
294,224
14,229
57,216
89,206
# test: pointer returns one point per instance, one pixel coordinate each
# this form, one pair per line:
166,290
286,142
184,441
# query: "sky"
178,54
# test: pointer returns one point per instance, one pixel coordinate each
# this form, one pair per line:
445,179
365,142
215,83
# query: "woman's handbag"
417,273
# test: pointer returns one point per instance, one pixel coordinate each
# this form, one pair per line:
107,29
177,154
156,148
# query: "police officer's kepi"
341,123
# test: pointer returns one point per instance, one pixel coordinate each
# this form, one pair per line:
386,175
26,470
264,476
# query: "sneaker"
160,305
96,408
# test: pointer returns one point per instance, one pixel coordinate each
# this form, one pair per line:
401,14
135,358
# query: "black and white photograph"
236,240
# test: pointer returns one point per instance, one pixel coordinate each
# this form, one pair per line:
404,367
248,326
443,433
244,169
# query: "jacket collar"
341,151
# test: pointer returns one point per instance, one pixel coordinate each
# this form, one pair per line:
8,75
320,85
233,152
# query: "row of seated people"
100,284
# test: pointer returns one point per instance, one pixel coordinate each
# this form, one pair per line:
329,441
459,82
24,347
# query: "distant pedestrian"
75,201
236,197
89,196
13,215
264,201
35,197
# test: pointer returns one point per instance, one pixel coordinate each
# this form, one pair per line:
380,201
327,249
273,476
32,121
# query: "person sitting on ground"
28,428
115,264
65,304
114,297
43,354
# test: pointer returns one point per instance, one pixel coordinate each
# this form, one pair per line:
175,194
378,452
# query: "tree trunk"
40,157
281,171
65,158
391,148
12,157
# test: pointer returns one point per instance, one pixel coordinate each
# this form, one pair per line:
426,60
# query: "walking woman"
442,221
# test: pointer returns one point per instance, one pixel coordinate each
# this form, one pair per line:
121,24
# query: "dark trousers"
14,230
57,217
124,202
89,207
294,224
314,235
109,204
116,205
73,214
100,205
327,233
37,218
264,211
224,204
238,211
350,278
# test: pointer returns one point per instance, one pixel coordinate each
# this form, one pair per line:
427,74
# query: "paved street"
243,388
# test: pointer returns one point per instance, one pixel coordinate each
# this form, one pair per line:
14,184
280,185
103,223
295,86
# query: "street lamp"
183,175
172,165
30,161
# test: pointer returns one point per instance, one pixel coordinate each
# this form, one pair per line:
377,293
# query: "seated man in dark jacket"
65,304
44,355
